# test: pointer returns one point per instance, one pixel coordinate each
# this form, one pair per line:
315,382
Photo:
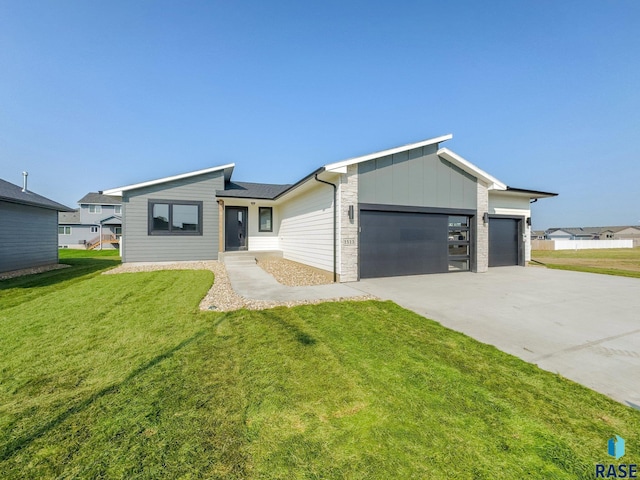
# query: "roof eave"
492,182
220,194
57,207
299,183
531,193
338,167
228,170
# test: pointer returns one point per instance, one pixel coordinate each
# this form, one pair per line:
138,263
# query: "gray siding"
139,246
28,236
416,177
81,234
87,218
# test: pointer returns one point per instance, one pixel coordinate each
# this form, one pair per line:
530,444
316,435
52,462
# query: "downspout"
335,223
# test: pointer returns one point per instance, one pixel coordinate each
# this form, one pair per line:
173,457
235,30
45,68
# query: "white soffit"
511,211
492,182
118,191
340,167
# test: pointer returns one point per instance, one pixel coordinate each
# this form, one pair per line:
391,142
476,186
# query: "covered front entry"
504,242
396,243
235,227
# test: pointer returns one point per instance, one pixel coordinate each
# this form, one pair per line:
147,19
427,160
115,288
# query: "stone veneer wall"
348,237
482,231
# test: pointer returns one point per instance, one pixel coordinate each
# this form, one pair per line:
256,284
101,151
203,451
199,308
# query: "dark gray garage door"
402,243
503,242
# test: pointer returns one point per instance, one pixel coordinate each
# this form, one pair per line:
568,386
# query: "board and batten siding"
139,246
306,228
417,177
28,237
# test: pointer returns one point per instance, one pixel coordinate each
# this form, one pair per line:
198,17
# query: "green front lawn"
624,262
66,253
120,376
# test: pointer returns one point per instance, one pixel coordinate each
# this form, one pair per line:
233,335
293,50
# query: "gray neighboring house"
594,233
28,234
96,224
414,209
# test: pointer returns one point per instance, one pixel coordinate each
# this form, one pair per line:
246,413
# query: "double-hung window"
117,209
64,230
175,217
95,208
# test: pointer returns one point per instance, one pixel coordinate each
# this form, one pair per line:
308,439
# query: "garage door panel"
503,242
402,243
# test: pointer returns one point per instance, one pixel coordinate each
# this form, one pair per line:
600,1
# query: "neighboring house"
96,224
594,233
558,234
538,235
28,234
414,209
627,232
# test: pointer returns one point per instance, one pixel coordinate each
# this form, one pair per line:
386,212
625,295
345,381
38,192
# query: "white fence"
579,244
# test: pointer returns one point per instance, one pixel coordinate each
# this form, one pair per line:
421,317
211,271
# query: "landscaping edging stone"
221,297
32,270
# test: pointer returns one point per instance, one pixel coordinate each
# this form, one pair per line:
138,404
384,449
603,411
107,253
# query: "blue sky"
541,94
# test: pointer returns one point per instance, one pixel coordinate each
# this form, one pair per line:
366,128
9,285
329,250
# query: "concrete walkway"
252,282
583,326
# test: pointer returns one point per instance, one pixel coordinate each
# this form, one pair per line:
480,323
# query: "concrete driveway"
583,326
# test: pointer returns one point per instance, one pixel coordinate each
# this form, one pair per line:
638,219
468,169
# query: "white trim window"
94,229
117,209
64,230
95,208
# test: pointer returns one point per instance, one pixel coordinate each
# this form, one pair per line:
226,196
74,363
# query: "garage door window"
459,245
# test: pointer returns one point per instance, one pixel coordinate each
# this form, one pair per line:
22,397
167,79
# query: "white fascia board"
492,182
308,184
118,191
344,163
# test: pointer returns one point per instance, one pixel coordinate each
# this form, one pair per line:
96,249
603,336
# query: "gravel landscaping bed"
31,271
294,274
221,297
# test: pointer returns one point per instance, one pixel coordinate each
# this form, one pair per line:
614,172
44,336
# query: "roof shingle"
264,191
100,199
69,217
14,194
